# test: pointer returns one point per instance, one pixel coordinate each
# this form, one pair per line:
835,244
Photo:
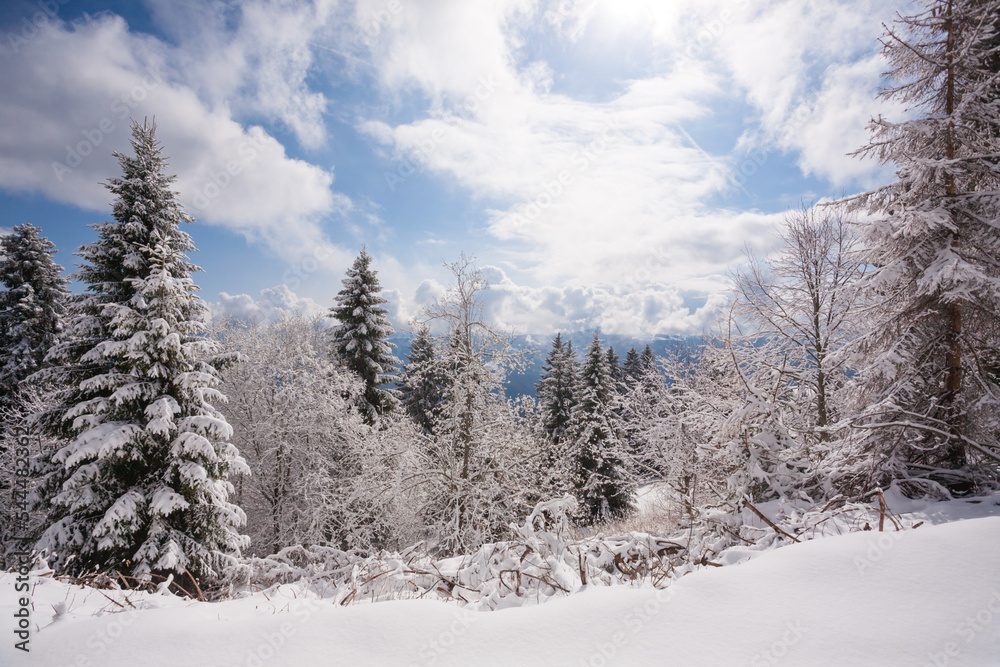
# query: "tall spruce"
139,483
647,360
32,306
422,381
359,341
615,369
633,365
602,479
555,389
931,412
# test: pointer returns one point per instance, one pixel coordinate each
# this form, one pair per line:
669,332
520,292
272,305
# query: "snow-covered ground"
928,596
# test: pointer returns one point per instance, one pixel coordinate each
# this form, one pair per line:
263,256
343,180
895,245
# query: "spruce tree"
32,306
615,369
647,361
359,341
555,389
422,383
930,409
633,365
140,483
602,479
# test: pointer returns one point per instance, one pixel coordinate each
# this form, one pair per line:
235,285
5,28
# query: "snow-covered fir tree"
359,340
931,407
633,364
602,477
647,360
140,484
33,303
615,369
423,384
555,389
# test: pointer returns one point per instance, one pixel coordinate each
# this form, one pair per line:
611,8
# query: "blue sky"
607,161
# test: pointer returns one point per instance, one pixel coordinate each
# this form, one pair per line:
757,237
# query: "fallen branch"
763,518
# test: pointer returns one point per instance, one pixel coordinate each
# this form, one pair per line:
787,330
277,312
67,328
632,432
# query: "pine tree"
422,382
647,361
602,481
140,481
359,341
32,306
615,369
555,390
930,409
633,365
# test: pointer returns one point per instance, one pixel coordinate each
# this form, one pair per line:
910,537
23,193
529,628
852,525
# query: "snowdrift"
928,596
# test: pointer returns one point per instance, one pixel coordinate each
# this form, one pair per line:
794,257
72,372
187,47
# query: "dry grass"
656,515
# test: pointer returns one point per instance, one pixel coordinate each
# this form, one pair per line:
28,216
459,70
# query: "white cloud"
632,309
811,69
806,68
68,96
601,195
269,304
254,57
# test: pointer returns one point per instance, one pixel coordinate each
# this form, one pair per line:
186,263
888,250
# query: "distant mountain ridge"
538,346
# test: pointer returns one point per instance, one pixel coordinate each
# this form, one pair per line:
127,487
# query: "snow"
928,596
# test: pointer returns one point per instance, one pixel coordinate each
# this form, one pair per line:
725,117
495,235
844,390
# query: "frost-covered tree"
477,475
359,340
931,403
680,424
602,478
290,409
33,298
615,369
796,310
423,383
633,364
647,360
640,397
140,481
555,389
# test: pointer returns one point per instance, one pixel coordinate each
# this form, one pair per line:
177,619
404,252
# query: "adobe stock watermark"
21,554
434,649
553,189
29,27
773,654
217,181
419,156
294,277
103,640
271,644
635,621
121,109
709,33
377,22
877,549
967,630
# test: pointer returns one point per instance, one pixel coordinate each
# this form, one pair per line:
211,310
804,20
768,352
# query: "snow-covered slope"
929,596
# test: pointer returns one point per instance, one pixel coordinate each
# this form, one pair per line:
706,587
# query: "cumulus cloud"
583,189
269,304
597,198
814,84
254,57
633,309
68,96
